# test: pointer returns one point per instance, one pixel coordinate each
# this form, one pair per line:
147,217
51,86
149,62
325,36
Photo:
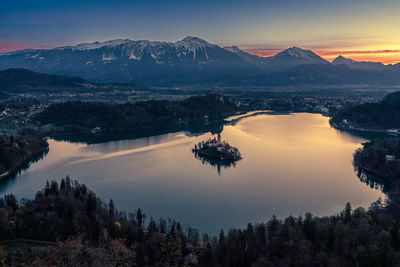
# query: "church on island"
217,149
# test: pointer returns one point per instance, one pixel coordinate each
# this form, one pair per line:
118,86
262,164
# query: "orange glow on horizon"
383,56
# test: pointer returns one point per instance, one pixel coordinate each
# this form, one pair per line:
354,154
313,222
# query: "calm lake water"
291,164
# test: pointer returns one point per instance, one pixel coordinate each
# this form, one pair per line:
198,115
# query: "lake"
291,164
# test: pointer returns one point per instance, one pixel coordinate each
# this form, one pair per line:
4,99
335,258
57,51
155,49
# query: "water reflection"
191,129
216,152
24,166
196,128
215,162
372,180
291,164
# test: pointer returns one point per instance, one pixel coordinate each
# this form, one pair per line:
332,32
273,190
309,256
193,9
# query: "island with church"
216,149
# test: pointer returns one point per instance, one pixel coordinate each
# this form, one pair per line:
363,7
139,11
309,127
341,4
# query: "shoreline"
24,163
373,171
362,130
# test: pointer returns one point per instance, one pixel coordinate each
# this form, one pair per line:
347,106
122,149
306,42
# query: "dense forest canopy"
372,157
83,230
77,116
92,233
14,151
381,115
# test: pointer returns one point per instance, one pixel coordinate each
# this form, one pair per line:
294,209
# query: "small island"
217,149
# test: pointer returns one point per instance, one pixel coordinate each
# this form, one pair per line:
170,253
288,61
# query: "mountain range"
194,60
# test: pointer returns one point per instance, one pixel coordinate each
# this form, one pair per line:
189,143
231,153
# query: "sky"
359,29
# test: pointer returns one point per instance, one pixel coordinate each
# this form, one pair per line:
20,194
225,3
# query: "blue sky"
260,25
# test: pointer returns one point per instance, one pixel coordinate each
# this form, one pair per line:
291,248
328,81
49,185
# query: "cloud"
7,46
386,56
360,52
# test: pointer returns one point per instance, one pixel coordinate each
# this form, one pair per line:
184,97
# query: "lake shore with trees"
18,151
76,117
379,157
382,116
80,229
89,232
382,158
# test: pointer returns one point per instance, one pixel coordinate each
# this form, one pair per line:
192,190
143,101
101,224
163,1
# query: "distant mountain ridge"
295,56
11,79
23,80
252,59
362,65
188,61
342,60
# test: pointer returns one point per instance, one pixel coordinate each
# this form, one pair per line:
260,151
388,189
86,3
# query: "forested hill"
92,233
374,116
79,117
23,80
20,80
372,157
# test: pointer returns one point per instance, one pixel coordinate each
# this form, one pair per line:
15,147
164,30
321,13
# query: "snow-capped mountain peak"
193,43
233,49
169,63
342,60
95,45
298,54
238,51
252,59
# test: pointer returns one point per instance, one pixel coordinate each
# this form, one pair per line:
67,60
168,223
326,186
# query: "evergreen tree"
309,226
111,210
272,226
395,236
347,213
152,226
139,218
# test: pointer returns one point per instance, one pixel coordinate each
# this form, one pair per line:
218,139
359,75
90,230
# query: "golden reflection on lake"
291,164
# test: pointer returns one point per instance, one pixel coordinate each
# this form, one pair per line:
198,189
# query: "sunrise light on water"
196,133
